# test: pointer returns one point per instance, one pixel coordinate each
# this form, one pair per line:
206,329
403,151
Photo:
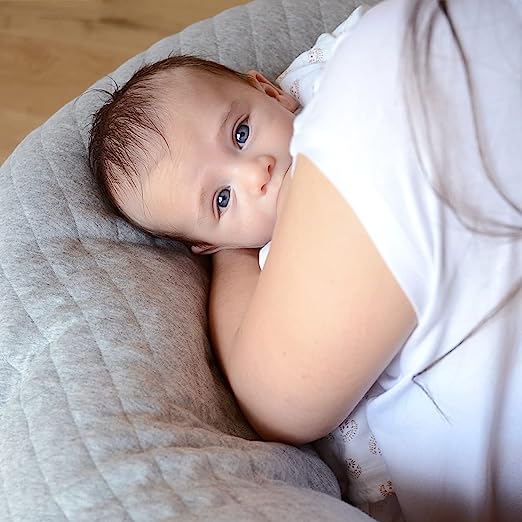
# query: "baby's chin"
263,234
258,243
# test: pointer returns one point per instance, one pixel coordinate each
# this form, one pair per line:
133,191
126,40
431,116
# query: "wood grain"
52,50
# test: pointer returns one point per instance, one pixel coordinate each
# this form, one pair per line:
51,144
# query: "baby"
191,150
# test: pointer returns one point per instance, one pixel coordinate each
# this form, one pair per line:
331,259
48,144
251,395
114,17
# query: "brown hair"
127,135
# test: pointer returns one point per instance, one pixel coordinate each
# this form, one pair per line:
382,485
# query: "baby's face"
229,144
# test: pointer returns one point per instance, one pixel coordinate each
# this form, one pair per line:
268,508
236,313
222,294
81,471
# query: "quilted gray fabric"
111,404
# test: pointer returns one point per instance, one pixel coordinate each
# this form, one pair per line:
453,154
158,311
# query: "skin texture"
234,165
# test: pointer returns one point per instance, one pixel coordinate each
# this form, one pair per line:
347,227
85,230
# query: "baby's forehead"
193,96
200,86
183,79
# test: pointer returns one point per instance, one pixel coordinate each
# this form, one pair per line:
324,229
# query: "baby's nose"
259,174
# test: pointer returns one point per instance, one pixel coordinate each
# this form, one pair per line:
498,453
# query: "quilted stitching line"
35,454
9,363
14,161
80,435
218,48
287,23
65,393
4,357
30,437
231,495
181,44
3,354
34,352
154,461
248,10
321,13
6,496
151,352
74,113
65,288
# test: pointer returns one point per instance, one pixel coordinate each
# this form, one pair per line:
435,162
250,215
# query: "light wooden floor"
51,50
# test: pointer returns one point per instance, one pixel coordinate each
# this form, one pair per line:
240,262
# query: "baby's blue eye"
223,199
242,133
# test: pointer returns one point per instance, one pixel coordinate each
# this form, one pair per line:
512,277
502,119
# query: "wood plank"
52,50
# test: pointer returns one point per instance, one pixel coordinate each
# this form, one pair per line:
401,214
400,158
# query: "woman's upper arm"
326,318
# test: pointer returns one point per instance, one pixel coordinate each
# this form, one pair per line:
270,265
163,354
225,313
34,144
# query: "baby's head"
191,150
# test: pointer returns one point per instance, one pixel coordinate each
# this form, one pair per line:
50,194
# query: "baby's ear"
263,84
204,250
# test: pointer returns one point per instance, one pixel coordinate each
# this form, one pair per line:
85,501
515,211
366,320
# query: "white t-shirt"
448,421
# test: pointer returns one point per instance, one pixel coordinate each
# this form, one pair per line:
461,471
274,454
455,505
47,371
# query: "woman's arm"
235,274
325,319
234,277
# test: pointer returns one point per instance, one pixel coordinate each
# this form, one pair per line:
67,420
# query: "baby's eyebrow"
226,117
203,214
